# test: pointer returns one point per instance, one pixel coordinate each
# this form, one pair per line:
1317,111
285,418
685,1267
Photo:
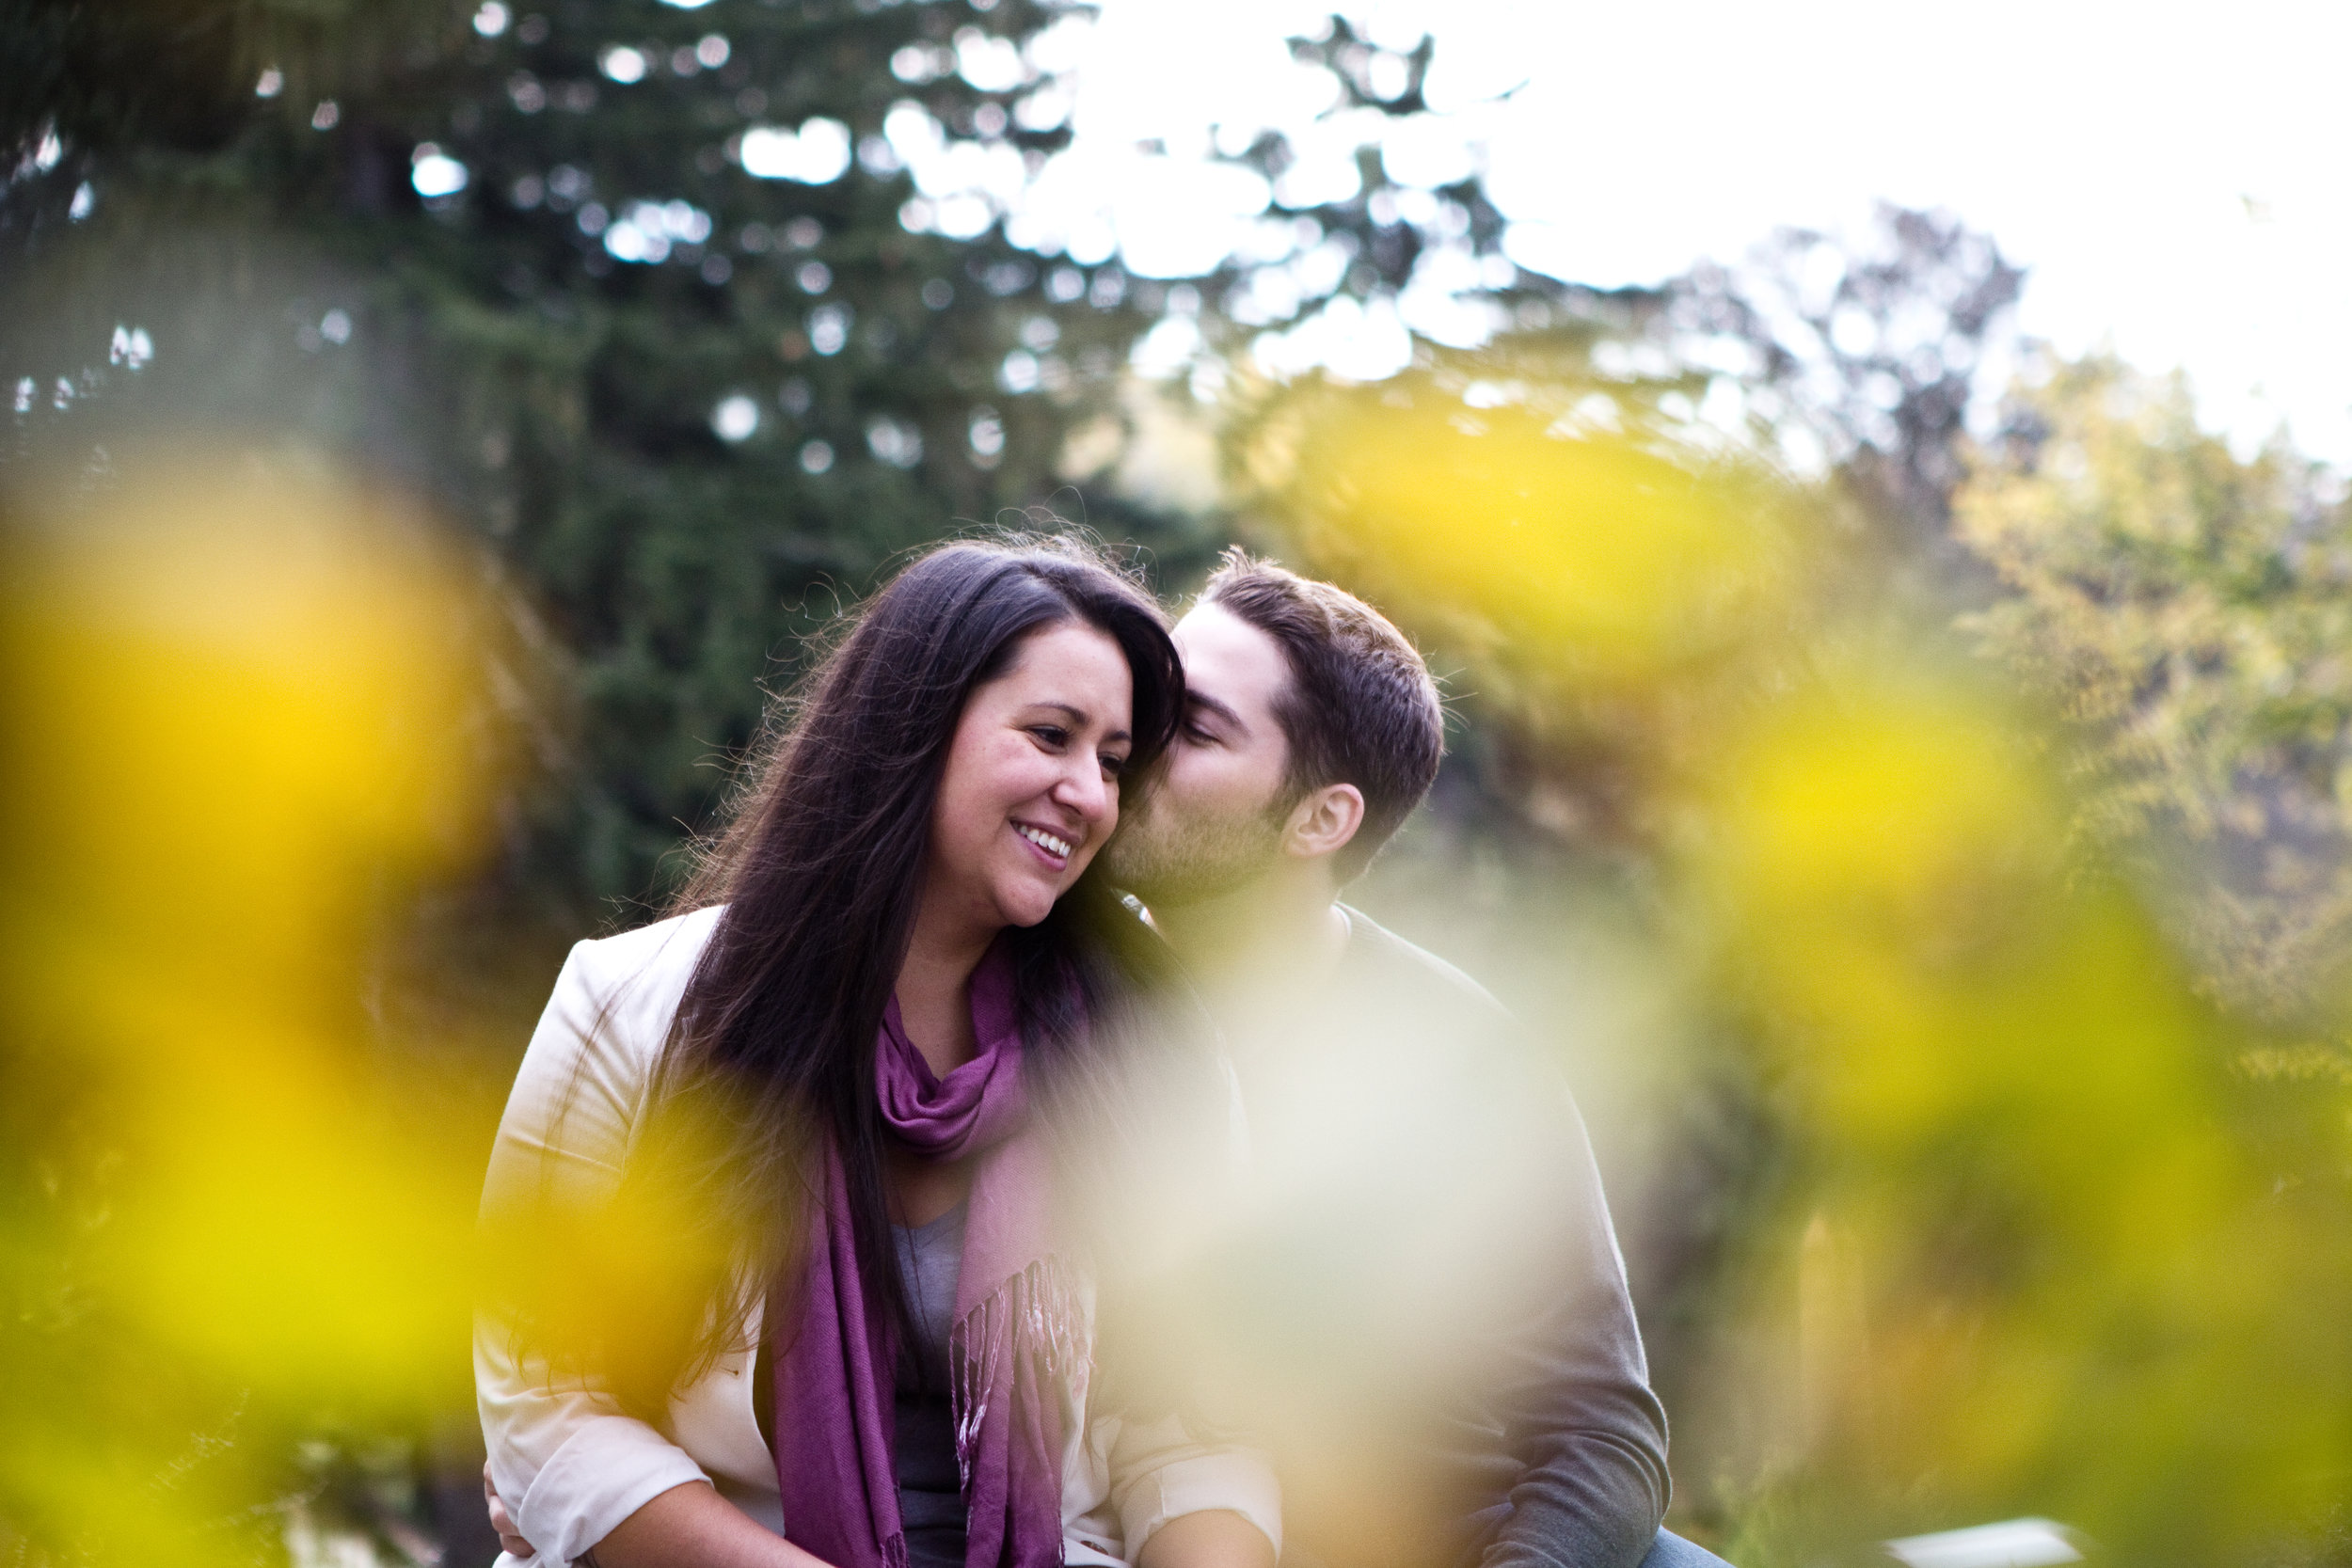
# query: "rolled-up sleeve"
569,1465
1159,1472
602,1466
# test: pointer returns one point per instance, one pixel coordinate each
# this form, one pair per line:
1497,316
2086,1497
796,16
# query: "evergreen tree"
646,295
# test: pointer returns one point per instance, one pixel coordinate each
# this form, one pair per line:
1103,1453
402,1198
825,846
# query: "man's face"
1214,820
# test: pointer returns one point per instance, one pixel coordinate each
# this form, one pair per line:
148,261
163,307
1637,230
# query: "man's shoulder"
1379,958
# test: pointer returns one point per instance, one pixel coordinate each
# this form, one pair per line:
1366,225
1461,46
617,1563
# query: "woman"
787,1143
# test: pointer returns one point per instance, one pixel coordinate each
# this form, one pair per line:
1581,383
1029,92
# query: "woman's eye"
1052,735
1114,767
1195,732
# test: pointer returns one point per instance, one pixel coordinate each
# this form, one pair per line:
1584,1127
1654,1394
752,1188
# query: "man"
1416,1297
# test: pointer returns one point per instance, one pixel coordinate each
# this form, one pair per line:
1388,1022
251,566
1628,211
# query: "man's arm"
1571,1396
1567,1444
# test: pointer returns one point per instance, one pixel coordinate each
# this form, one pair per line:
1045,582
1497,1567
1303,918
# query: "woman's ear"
1323,821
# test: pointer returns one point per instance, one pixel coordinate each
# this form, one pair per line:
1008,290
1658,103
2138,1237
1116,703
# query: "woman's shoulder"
638,976
677,942
594,1048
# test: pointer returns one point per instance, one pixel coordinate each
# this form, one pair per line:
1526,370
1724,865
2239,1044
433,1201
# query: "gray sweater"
1542,1445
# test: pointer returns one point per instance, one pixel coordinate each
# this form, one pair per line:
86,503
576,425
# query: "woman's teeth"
1060,848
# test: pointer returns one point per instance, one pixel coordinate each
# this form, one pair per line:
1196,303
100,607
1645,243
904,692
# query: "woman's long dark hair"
820,867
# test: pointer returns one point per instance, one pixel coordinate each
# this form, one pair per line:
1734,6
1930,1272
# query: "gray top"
931,1259
1543,1446
923,1451
1560,1453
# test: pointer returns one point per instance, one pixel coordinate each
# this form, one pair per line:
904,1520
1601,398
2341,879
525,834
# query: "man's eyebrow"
1079,717
1202,699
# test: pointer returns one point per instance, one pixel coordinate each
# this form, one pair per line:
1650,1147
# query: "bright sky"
2173,177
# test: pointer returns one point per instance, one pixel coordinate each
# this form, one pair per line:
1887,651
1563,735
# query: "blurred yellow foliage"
2039,1252
2015,1103
1542,531
236,716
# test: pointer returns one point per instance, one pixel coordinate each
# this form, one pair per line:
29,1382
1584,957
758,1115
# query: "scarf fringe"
1037,1316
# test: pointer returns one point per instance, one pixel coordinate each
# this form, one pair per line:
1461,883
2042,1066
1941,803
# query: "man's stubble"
1169,861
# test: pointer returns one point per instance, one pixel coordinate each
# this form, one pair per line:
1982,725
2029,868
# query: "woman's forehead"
1065,662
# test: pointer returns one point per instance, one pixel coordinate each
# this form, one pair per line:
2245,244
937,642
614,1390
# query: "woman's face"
1031,786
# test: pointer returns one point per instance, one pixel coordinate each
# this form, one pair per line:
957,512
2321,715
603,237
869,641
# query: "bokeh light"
238,713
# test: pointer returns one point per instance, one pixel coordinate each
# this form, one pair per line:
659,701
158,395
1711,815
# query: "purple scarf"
1014,1335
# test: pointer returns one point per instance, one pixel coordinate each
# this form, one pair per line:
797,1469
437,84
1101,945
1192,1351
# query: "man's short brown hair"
1361,707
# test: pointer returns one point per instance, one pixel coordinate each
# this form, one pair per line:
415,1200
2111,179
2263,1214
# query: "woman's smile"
1051,847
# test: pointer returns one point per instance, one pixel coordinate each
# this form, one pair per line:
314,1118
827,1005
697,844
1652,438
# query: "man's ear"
1323,821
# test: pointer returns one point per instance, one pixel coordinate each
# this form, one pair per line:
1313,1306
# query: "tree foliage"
523,260
1878,346
2189,611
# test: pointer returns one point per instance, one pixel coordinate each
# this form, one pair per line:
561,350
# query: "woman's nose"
1083,790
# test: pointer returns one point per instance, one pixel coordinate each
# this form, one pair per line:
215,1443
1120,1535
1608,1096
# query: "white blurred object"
2011,1544
735,419
816,154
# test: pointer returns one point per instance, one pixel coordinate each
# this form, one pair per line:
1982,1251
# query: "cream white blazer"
570,1466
